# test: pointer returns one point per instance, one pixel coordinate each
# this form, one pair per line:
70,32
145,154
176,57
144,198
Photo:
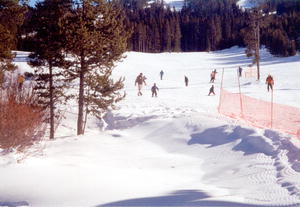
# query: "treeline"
282,34
201,25
208,25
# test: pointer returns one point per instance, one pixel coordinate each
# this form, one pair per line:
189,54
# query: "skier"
270,82
154,90
211,90
240,69
213,76
186,81
161,74
140,80
20,81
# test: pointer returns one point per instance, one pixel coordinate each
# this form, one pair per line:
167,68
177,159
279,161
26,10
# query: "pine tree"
11,18
166,37
176,40
12,15
48,55
96,38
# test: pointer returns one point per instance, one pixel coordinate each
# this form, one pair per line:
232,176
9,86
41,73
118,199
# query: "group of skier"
141,80
212,80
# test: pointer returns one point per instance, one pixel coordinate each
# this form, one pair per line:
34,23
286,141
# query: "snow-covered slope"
247,4
173,150
177,4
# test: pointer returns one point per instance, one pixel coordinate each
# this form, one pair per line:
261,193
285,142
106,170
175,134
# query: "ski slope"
173,150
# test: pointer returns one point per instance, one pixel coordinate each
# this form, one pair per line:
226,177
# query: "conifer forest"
201,25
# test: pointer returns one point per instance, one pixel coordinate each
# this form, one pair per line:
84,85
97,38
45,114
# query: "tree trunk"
257,55
51,101
80,121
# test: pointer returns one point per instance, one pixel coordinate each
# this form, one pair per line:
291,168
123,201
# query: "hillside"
173,150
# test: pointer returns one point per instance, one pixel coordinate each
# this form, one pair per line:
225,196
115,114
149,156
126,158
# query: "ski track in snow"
174,150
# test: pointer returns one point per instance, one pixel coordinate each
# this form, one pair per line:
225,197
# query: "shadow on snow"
14,204
122,122
178,198
249,143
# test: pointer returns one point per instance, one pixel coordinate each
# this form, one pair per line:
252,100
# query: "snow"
248,4
177,4
173,150
245,4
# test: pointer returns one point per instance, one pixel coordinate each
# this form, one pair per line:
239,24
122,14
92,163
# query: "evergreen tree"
96,38
12,14
48,53
5,53
176,34
11,18
166,37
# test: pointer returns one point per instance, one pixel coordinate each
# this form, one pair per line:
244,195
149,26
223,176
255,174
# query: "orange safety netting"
260,113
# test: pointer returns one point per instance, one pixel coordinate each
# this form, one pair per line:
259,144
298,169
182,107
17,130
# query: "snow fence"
260,113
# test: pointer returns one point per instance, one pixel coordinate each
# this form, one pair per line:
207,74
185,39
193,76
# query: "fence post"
241,103
221,87
272,109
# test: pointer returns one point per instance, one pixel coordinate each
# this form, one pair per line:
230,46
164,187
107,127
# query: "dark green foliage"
48,55
12,15
6,42
284,28
208,8
279,43
102,93
11,18
211,25
96,38
202,25
155,29
197,27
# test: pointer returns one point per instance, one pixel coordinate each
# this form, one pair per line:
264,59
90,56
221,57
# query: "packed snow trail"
173,150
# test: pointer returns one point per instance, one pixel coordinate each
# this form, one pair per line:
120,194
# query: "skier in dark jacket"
213,76
211,90
240,69
154,90
161,74
186,81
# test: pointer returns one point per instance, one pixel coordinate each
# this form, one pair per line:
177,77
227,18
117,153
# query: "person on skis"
139,81
161,74
186,81
270,82
240,69
211,90
154,90
213,76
